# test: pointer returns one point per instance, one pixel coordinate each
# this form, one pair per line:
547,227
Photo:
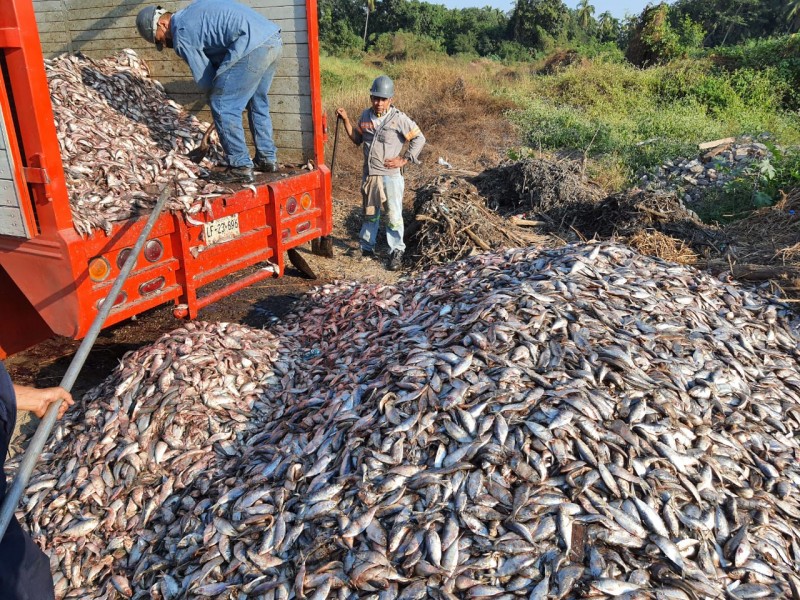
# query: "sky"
618,8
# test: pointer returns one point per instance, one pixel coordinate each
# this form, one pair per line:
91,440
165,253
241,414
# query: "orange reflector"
304,226
291,205
122,257
285,234
153,250
99,268
121,298
152,286
305,201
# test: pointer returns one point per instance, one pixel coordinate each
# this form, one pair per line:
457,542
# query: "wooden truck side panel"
102,27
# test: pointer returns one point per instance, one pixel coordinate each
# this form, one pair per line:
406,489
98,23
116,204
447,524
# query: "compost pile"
451,222
628,214
537,185
556,193
122,140
571,423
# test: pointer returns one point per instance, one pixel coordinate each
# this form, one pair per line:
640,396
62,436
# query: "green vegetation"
536,27
756,185
640,118
625,96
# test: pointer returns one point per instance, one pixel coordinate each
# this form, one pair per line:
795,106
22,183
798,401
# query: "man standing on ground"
24,568
232,51
384,130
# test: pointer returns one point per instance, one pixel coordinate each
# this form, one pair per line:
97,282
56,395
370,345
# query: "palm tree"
585,14
370,6
793,13
606,21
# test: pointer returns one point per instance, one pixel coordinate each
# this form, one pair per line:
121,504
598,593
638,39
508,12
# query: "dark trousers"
24,569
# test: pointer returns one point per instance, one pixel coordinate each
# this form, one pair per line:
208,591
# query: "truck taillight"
152,286
305,201
304,226
285,234
122,257
291,205
121,298
99,268
153,250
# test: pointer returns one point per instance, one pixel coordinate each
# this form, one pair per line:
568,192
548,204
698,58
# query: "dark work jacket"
24,569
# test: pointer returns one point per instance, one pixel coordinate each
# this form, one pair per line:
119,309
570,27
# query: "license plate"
221,230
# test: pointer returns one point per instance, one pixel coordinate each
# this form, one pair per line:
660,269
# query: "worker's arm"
203,72
415,140
38,400
354,133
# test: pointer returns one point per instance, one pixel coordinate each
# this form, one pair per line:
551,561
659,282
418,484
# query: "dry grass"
655,243
770,235
451,101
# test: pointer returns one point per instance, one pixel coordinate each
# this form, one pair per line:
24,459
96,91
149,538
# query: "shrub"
513,52
653,39
339,40
780,57
403,45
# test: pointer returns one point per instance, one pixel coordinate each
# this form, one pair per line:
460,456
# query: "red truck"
52,280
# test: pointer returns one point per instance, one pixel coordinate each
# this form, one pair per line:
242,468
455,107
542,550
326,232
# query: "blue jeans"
393,188
246,85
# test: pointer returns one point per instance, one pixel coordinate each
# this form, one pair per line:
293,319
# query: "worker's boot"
265,166
395,261
234,175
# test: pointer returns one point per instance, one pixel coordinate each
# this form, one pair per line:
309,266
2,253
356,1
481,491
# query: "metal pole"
47,423
335,142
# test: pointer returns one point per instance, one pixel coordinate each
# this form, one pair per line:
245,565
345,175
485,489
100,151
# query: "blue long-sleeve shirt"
211,35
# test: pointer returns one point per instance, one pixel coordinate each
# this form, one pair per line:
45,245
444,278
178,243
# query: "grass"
637,118
345,82
623,121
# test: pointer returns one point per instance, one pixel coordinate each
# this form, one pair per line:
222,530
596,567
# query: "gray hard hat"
147,23
382,87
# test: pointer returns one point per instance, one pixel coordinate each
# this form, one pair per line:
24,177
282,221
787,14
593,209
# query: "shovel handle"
47,423
339,119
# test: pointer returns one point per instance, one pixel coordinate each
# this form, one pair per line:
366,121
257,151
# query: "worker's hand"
398,162
38,400
340,112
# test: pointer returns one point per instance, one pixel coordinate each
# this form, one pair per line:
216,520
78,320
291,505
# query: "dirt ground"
461,137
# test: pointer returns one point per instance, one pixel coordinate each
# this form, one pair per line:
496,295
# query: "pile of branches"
627,213
453,222
537,185
770,235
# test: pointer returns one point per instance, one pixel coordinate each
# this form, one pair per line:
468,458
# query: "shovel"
324,246
197,155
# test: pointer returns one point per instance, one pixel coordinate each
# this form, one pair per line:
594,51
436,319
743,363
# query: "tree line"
409,27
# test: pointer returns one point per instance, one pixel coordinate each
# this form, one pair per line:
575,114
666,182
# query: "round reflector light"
121,298
99,268
285,234
152,286
153,250
291,205
305,201
122,257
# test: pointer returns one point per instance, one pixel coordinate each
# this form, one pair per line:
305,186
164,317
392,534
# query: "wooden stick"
426,218
655,213
477,240
526,222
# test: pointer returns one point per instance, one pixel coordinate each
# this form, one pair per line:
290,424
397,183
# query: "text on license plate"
222,229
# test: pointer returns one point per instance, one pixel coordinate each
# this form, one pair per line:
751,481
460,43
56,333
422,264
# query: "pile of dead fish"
583,422
122,140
